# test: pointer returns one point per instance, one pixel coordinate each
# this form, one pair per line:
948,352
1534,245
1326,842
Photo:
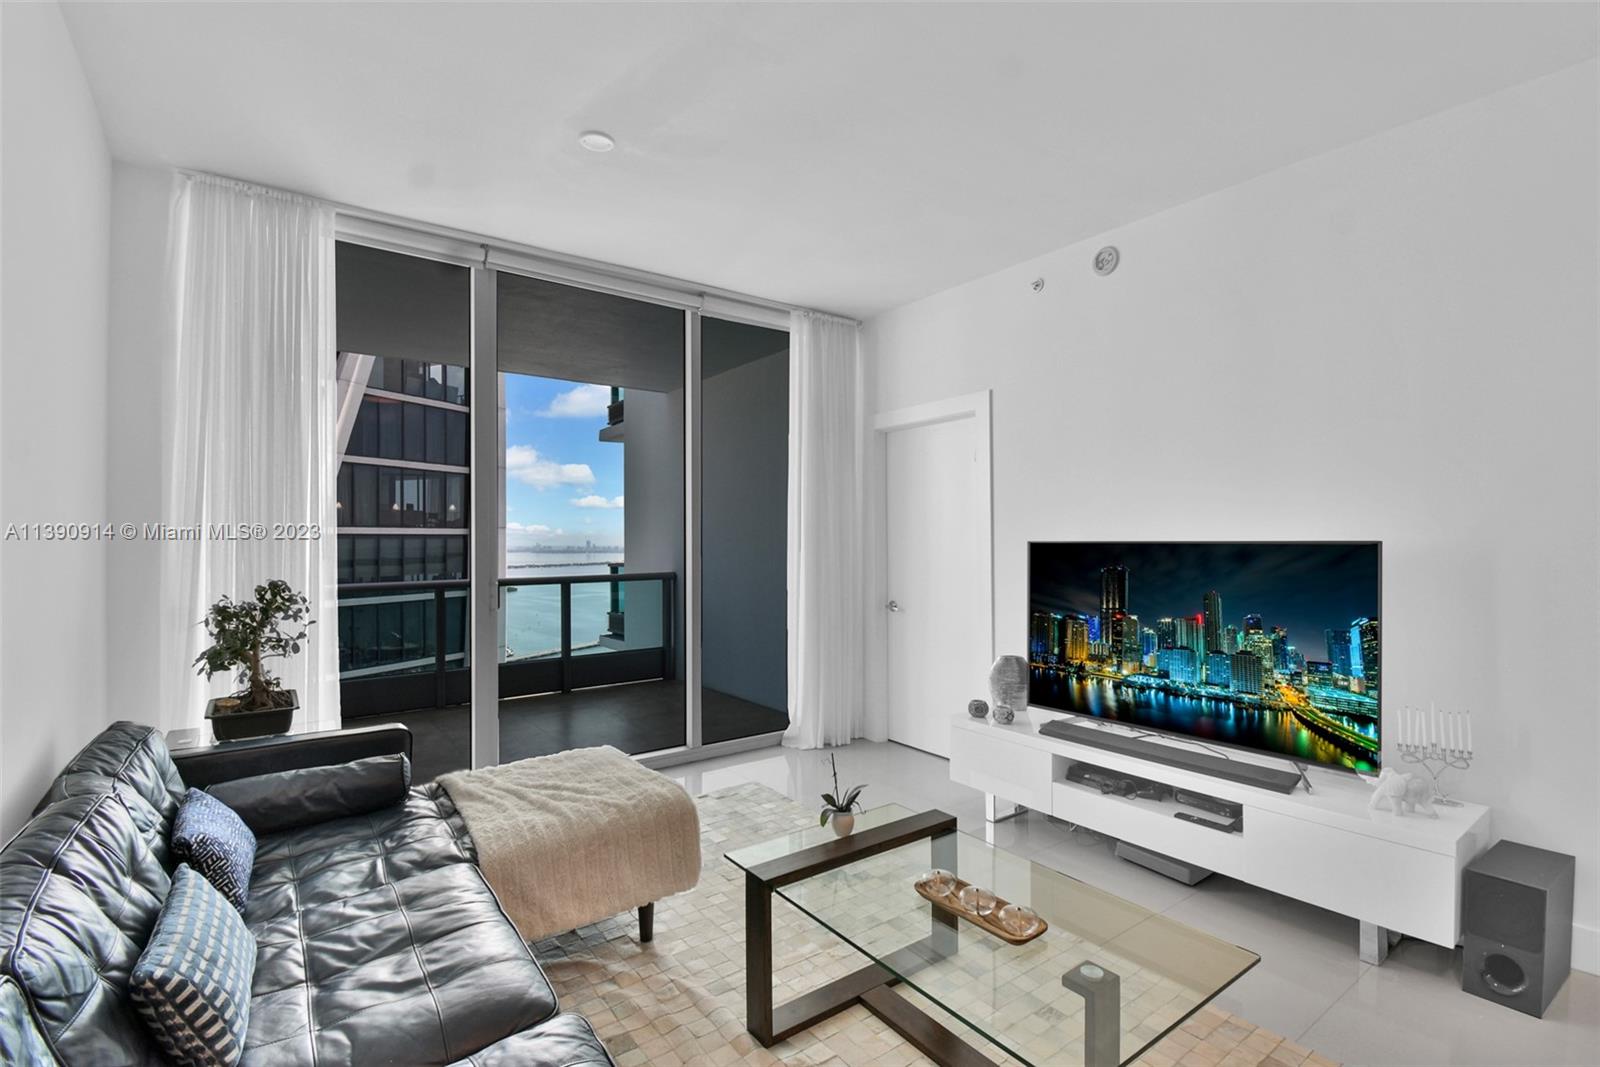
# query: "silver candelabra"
1437,741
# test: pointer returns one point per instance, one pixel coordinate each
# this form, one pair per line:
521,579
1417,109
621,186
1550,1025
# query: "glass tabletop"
1131,974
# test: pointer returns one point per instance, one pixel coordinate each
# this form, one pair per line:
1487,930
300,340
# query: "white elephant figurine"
1403,792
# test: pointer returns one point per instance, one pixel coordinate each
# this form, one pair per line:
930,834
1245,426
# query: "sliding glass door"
592,542
562,512
402,407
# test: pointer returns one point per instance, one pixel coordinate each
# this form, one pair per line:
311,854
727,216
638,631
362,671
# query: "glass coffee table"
1103,983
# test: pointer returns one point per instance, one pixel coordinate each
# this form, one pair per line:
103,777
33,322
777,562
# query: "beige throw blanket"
568,839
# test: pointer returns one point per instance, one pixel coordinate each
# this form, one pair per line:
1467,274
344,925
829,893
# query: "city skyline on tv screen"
1273,646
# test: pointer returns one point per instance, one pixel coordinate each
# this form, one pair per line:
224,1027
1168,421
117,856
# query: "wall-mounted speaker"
1516,925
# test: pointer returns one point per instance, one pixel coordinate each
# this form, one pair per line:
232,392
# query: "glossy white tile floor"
1309,986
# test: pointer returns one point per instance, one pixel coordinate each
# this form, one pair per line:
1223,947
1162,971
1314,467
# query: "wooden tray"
952,905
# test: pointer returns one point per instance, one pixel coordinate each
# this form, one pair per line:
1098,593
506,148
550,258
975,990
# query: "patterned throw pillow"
192,982
210,837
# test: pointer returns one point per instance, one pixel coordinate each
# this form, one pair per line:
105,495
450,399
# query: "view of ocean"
533,613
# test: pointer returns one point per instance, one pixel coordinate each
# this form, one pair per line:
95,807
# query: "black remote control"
1189,816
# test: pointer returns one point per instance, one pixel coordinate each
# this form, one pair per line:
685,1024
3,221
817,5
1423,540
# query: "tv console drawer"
992,762
1407,889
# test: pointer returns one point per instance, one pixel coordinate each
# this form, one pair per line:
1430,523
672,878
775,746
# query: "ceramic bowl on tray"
977,900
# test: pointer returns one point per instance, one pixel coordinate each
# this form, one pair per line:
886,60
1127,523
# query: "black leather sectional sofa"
378,941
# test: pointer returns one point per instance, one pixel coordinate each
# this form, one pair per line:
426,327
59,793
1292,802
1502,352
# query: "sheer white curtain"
251,457
827,570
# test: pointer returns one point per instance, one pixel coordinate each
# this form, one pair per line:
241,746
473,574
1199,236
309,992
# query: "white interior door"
938,623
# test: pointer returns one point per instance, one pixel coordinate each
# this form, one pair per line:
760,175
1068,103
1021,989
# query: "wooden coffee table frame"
870,986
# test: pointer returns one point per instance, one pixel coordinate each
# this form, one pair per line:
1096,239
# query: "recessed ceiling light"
596,141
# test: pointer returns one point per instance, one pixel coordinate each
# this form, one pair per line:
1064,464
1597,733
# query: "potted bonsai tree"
244,634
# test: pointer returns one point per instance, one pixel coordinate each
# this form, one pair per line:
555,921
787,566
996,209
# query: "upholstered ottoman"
568,839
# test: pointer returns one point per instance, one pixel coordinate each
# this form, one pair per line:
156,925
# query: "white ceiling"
848,157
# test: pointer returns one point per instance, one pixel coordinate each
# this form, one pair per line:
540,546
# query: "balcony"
614,429
585,660
403,646
636,718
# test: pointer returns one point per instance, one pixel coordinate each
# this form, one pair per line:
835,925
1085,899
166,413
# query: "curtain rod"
490,245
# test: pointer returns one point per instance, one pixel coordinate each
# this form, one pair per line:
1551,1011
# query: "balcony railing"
406,645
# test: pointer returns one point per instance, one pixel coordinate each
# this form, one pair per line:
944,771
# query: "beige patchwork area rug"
680,999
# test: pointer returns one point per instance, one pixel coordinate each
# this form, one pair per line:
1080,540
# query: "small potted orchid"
840,807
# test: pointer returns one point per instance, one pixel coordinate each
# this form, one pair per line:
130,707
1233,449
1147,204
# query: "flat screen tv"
1273,646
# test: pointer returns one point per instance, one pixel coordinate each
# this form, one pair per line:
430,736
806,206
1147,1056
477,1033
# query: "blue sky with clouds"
563,484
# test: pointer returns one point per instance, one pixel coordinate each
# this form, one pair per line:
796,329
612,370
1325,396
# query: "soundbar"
1230,770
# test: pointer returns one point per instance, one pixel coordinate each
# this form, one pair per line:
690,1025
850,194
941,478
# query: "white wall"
55,199
141,202
1395,340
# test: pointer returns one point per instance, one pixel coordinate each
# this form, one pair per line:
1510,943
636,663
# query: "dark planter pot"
239,725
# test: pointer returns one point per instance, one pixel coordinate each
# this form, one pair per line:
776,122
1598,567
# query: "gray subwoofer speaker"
1162,864
1516,925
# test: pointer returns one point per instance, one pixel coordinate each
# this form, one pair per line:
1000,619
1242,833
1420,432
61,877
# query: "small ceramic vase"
1008,683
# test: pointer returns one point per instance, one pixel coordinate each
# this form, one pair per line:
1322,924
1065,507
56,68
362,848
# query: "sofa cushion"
284,800
565,1041
152,823
192,982
130,753
211,838
379,942
132,761
80,889
323,863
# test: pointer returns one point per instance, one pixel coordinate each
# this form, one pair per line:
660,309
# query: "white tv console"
1395,874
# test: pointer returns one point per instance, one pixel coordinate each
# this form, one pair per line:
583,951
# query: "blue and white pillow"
191,985
210,837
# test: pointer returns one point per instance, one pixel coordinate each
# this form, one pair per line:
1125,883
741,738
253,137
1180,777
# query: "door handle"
894,605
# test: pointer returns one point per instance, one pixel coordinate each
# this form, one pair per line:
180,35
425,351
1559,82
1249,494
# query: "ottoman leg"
647,922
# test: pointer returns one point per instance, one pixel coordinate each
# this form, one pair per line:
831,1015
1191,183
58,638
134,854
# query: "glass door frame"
483,376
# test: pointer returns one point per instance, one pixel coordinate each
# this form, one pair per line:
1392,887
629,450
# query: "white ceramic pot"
843,823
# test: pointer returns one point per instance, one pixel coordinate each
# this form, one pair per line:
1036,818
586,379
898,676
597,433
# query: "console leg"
647,922
993,809
1376,941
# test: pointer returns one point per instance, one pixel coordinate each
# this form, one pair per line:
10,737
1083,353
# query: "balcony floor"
641,717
